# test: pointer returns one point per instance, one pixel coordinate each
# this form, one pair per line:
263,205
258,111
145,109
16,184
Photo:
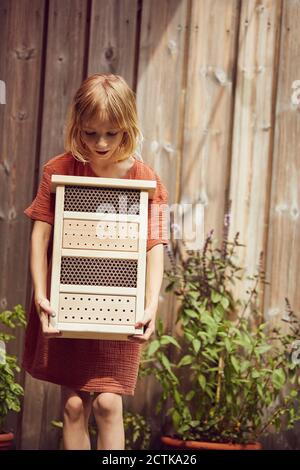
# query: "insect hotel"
99,256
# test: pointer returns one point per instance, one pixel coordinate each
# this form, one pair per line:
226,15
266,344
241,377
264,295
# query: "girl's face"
102,139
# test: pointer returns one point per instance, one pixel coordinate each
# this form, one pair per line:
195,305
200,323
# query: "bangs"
101,106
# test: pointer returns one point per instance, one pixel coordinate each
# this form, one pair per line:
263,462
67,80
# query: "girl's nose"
101,141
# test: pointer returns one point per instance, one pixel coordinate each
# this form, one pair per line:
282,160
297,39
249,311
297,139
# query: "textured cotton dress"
87,364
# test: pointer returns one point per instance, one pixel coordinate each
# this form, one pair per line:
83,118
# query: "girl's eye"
93,133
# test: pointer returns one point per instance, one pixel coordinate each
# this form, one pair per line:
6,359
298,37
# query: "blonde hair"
103,95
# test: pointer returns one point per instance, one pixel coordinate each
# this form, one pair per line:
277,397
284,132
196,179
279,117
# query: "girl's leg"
76,411
108,411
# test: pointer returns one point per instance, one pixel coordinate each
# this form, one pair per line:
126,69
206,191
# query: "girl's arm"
38,258
39,267
154,277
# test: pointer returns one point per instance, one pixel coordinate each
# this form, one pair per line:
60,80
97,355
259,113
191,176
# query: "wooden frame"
99,258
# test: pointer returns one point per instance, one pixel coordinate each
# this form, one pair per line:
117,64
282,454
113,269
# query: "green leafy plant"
10,391
227,376
137,431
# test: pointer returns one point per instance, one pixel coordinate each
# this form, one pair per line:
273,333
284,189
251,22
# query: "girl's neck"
112,169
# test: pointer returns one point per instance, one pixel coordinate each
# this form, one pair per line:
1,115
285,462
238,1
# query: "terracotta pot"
198,445
6,441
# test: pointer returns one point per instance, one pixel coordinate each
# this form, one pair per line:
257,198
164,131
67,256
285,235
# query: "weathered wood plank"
62,72
283,242
207,126
21,39
160,91
253,129
112,41
160,98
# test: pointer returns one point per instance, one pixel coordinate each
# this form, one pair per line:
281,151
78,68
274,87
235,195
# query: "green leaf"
191,313
207,319
153,347
176,418
235,363
177,397
218,312
194,423
215,297
228,345
189,336
278,378
225,302
202,381
255,374
165,361
263,348
211,354
245,365
166,339
260,391
160,327
193,294
196,345
190,395
186,360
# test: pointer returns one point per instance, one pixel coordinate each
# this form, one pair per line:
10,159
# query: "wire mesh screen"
99,272
104,200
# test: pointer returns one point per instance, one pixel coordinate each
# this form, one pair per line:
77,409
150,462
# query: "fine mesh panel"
96,309
106,200
99,272
100,235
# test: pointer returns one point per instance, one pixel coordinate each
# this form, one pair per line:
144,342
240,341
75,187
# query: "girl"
101,139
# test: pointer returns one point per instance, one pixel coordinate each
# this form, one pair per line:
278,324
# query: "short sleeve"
158,216
42,207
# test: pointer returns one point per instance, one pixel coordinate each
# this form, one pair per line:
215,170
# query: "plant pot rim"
209,445
6,436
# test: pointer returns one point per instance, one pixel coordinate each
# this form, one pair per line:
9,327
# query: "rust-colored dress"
83,364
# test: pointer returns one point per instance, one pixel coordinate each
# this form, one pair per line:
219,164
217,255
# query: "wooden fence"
219,115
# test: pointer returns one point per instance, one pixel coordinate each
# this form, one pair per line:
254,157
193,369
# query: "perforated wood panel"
100,235
97,309
99,256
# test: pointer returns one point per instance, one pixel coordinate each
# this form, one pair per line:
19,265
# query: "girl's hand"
45,311
148,322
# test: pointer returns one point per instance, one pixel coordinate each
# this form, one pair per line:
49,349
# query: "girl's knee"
74,408
108,404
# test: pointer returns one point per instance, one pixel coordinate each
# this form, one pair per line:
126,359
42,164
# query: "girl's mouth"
102,152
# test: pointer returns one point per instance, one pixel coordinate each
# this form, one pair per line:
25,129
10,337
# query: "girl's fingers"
52,333
45,306
143,322
48,329
141,338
